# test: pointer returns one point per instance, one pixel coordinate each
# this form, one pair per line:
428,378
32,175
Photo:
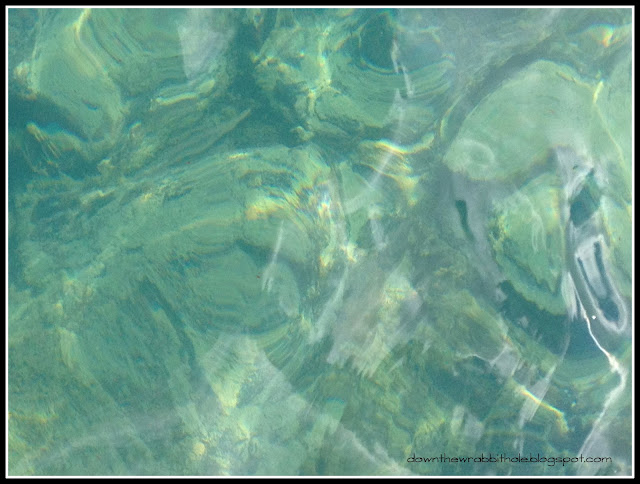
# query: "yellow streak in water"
541,403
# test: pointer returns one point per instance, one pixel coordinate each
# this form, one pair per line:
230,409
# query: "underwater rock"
510,132
513,135
527,241
352,75
88,70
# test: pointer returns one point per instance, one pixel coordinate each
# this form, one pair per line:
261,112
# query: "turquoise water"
320,242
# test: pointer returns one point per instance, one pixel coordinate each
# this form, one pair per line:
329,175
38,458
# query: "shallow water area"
320,242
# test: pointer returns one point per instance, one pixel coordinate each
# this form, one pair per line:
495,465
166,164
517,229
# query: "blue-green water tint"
320,242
